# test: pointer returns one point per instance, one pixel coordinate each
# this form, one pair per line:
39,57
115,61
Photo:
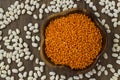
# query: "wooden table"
25,19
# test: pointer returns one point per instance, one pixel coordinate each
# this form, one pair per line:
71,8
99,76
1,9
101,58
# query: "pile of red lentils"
73,40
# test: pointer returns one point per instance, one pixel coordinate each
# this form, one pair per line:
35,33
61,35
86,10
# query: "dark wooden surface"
25,19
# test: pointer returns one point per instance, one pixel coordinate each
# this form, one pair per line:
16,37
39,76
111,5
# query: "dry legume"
73,40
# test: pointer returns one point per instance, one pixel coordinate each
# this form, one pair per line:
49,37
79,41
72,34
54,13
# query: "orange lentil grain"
72,40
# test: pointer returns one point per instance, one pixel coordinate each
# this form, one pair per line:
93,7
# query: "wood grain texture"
25,19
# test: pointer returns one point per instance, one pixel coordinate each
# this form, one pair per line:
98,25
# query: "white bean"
109,65
41,69
42,63
49,8
115,14
36,25
3,75
35,16
118,62
37,5
1,57
29,12
43,6
51,73
31,57
52,2
39,73
115,24
46,10
114,19
30,73
34,44
116,40
99,73
112,70
118,71
9,60
90,4
118,22
20,75
105,55
19,64
23,11
8,78
14,70
28,33
32,8
40,16
117,36
41,11
37,38
9,72
75,6
36,60
76,77
43,77
26,57
108,31
102,69
25,74
33,38
116,74
105,72
17,31
80,76
25,28
21,68
35,75
1,10
28,37
114,55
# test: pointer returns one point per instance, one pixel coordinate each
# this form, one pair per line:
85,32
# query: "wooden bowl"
57,15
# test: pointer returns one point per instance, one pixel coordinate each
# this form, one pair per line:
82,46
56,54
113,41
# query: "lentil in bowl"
74,39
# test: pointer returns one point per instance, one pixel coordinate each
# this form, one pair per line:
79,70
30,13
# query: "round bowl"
71,11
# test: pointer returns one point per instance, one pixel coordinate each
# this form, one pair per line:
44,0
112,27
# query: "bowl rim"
64,13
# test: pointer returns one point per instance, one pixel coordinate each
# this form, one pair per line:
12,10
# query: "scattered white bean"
43,77
51,73
87,75
46,10
43,6
117,36
114,55
30,73
35,16
112,70
14,70
105,56
39,73
29,12
40,16
25,74
21,68
99,73
26,57
41,11
118,62
109,65
19,64
20,75
42,63
34,44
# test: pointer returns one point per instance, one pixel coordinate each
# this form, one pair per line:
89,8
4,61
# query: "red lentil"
72,40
